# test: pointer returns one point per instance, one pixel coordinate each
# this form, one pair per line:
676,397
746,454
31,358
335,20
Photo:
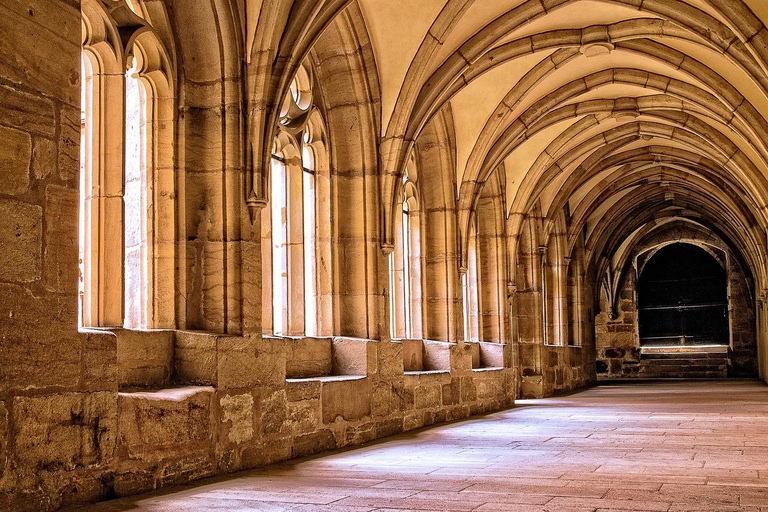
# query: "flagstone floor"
693,446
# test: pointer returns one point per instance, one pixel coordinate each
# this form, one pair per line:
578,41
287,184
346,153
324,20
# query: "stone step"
678,365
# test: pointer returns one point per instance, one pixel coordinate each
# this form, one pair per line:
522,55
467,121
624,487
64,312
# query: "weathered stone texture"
21,241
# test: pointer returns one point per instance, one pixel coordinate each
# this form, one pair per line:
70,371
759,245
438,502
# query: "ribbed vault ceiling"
602,108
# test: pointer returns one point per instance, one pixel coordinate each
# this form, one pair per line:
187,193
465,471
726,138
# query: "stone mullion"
165,218
107,192
473,286
397,285
416,275
295,248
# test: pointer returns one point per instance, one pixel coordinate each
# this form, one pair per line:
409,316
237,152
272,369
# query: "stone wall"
563,369
242,410
58,387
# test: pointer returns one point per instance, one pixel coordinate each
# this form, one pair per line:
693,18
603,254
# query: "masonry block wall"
518,206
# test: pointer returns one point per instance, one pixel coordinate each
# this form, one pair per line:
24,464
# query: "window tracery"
297,213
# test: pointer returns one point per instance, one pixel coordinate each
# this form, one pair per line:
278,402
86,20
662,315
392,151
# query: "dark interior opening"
683,298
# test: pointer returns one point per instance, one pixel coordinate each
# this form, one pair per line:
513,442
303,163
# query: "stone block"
437,355
359,434
27,112
186,468
468,389
389,427
390,359
270,364
69,143
99,360
319,441
413,420
156,425
195,358
413,355
303,416
308,357
349,400
383,400
489,386
32,22
350,356
298,390
237,417
427,396
236,361
32,340
451,393
15,158
43,158
60,268
274,411
4,439
81,426
21,237
144,358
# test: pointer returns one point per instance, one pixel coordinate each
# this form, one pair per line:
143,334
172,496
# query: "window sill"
427,372
327,378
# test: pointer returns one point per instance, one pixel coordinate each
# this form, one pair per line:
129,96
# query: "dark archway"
683,298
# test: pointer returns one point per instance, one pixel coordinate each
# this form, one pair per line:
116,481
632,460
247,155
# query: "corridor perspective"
697,446
508,249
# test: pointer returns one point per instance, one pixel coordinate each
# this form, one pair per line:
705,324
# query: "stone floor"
691,446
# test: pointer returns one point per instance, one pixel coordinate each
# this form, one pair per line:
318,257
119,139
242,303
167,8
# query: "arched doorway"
683,298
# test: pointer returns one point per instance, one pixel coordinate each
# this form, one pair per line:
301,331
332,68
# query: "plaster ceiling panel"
479,14
603,208
519,162
725,68
734,137
397,29
475,103
549,193
581,192
582,66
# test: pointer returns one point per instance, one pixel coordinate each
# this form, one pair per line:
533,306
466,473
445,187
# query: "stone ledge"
326,378
488,369
168,394
426,372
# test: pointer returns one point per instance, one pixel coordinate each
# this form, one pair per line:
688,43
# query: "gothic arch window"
127,183
296,225
405,264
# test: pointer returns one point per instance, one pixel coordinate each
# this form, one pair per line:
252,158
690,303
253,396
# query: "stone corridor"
669,447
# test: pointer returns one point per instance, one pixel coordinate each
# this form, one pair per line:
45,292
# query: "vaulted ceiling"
602,107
